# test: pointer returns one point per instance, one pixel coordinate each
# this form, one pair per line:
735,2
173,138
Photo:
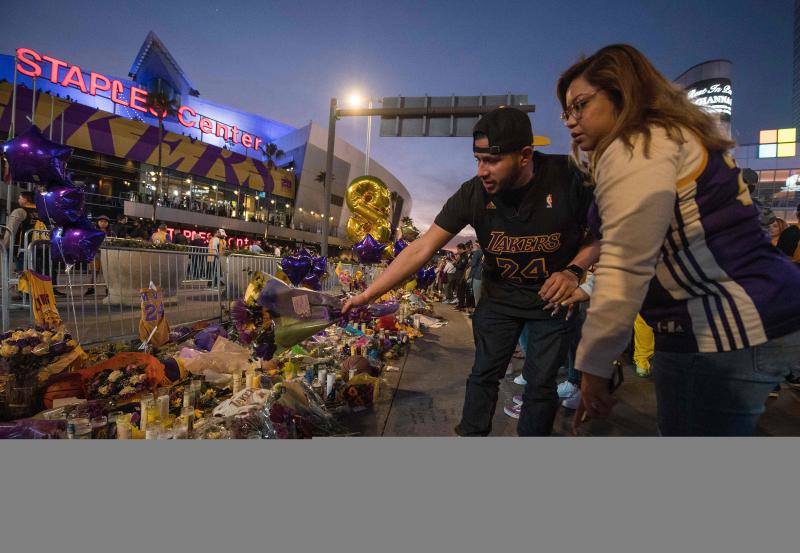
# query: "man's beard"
511,181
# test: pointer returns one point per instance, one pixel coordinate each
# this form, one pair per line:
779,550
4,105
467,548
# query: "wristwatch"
577,271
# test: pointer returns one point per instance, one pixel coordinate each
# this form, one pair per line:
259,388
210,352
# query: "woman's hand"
596,400
578,295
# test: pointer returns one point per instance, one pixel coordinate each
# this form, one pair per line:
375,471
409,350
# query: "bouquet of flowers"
360,392
103,352
272,316
24,352
122,383
296,410
253,424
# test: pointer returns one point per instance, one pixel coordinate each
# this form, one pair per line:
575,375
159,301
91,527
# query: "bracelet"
577,271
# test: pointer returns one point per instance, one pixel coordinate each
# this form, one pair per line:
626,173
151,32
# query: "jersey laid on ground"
153,324
40,288
719,284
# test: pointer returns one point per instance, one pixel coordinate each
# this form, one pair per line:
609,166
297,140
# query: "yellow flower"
8,350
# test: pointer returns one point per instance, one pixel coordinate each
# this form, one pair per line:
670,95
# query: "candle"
331,378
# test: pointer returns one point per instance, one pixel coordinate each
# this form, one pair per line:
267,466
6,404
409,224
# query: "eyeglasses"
576,108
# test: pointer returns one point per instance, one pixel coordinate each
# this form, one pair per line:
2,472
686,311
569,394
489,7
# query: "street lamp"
355,100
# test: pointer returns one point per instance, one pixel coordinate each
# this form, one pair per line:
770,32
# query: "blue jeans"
720,394
476,290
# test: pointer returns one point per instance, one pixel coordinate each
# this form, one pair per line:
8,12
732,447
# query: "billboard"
713,95
708,85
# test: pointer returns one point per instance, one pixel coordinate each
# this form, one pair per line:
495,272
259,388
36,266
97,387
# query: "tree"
271,152
162,105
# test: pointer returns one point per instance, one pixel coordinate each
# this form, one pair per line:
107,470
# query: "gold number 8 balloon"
369,200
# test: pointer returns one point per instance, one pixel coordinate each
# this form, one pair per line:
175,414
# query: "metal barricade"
238,268
101,300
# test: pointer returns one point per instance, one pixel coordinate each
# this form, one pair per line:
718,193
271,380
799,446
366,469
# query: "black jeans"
496,335
461,293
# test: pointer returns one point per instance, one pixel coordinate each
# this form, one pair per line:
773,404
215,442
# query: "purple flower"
266,350
205,338
240,313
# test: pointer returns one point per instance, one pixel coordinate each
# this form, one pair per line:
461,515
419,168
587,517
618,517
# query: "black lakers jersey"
526,234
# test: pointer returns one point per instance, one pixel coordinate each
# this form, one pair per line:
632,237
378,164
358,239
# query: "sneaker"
567,389
776,391
573,401
793,381
520,380
517,399
642,372
89,292
512,411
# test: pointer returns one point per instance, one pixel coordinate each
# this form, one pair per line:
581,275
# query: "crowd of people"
24,219
458,276
649,199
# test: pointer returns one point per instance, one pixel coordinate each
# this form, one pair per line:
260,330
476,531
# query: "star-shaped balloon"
296,267
369,250
33,158
319,266
75,244
60,204
399,246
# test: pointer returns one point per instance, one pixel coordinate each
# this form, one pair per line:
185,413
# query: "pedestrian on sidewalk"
449,278
476,273
460,286
529,211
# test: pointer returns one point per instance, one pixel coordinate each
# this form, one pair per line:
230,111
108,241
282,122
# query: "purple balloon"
75,244
399,246
422,277
319,265
431,276
33,158
296,267
369,250
61,205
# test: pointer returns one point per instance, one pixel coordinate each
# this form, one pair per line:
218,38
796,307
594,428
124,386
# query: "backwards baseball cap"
508,130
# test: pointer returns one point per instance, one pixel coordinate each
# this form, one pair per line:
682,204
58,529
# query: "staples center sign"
29,62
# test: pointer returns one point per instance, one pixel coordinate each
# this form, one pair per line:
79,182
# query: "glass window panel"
766,176
787,150
787,135
767,150
768,136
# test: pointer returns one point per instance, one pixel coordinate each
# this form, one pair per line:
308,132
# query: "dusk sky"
285,60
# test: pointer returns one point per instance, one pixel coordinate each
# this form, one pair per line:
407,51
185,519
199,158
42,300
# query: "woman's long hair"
643,98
